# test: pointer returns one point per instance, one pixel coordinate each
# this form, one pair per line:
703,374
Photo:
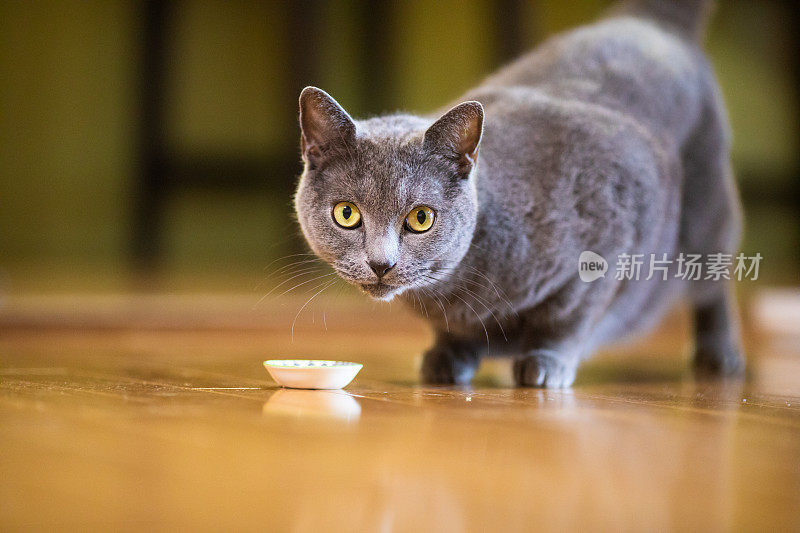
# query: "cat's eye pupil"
346,212
421,216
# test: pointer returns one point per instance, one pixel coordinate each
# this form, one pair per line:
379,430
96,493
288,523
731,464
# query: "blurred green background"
92,92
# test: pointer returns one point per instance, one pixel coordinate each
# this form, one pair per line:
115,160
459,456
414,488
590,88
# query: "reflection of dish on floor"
313,403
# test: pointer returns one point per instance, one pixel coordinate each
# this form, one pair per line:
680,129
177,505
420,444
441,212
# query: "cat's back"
629,65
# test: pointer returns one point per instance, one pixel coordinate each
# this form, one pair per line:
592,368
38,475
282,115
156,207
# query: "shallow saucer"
312,373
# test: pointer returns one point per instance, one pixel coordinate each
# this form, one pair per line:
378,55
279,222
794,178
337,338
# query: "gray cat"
610,138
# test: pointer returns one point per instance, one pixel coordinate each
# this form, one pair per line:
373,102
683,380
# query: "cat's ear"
457,134
324,126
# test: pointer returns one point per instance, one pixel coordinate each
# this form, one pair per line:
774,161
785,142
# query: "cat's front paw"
718,358
445,367
544,370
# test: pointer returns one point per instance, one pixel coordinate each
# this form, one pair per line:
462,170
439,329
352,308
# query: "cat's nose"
379,268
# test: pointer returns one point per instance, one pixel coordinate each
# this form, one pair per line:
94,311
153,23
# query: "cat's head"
390,202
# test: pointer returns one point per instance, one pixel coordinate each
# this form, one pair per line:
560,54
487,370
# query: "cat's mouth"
380,290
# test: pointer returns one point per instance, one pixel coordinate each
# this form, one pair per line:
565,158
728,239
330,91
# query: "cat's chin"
381,291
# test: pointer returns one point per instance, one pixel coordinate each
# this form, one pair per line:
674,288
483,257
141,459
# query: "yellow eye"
420,219
346,215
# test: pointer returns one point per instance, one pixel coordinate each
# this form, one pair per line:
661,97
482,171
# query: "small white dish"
312,373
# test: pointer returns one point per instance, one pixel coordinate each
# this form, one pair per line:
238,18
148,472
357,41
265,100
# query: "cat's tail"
686,17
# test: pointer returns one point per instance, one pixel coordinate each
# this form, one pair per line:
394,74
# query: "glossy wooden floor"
129,429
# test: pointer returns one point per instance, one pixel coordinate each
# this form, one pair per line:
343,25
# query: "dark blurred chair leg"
794,10
509,28
151,179
304,17
376,19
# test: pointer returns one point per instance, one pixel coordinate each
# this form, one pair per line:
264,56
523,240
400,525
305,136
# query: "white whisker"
477,299
304,272
329,284
438,300
485,331
305,282
285,257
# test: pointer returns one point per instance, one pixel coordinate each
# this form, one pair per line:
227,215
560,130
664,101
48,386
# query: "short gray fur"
611,138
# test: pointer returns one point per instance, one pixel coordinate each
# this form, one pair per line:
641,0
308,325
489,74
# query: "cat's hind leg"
716,330
711,224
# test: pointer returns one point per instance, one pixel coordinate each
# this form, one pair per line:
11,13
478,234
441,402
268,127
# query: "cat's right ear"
325,127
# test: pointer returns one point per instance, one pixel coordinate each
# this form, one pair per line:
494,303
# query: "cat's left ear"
325,127
458,134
